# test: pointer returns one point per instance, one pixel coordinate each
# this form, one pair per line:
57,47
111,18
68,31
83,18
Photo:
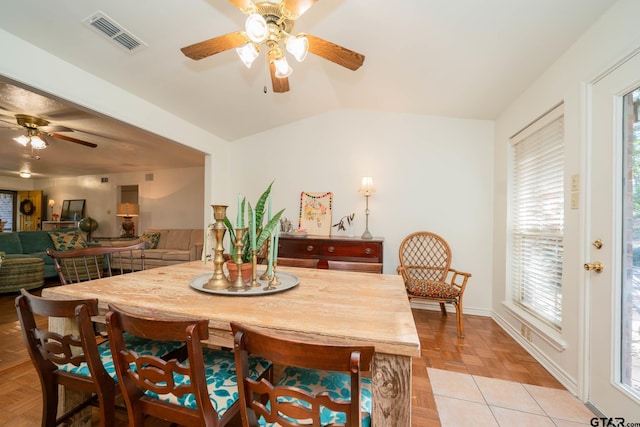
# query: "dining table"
324,306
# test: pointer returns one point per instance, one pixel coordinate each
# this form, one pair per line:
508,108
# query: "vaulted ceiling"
457,58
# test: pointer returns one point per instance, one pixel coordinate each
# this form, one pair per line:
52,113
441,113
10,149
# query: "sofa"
165,247
30,244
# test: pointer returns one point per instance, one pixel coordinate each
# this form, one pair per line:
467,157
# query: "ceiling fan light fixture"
256,27
248,53
283,70
38,143
298,46
22,140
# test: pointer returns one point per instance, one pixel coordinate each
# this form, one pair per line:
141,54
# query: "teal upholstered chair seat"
141,345
222,384
337,384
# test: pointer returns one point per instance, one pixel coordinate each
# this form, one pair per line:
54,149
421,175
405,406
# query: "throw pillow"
67,240
151,239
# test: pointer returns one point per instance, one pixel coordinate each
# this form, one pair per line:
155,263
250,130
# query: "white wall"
70,83
430,173
173,199
612,37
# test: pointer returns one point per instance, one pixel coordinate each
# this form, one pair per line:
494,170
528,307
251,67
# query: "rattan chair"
199,391
321,384
425,266
79,265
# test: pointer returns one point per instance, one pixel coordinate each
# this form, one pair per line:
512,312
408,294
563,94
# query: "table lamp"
127,211
366,188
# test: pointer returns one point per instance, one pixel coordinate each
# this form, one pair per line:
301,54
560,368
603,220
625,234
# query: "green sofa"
30,244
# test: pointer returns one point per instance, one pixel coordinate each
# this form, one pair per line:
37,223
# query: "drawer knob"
310,248
331,249
368,251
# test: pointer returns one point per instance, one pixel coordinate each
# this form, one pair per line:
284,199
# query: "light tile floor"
469,400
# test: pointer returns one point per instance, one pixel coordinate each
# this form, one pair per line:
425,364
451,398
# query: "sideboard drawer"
331,248
356,251
298,248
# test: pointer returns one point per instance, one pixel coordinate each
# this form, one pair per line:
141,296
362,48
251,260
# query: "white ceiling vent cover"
115,32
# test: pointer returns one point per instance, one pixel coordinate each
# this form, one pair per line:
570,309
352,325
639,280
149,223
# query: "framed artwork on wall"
72,210
315,213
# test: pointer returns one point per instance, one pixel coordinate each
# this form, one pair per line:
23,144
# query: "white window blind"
538,218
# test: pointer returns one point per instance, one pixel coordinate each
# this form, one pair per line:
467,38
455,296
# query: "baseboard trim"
556,371
432,306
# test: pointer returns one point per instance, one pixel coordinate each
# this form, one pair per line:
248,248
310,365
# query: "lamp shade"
366,187
128,209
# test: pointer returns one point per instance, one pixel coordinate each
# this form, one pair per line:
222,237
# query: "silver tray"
287,280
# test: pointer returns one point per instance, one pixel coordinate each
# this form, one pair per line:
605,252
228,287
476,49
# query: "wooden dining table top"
326,305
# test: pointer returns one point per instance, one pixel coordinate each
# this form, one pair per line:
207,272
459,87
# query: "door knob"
594,266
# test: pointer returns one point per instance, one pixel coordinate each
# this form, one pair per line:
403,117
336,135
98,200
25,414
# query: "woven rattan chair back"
59,358
425,256
425,266
82,264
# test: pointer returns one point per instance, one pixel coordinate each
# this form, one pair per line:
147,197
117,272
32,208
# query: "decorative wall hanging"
315,213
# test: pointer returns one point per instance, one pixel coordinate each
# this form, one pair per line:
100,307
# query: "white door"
613,218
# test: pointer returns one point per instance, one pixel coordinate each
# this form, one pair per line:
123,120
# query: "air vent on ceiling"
115,32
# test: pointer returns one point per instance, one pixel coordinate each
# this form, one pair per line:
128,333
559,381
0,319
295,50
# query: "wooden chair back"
298,262
82,264
144,378
267,399
50,350
366,267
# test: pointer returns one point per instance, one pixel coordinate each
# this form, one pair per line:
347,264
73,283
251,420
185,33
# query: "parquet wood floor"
486,351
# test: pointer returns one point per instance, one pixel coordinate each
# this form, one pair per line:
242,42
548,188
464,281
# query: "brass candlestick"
274,279
254,269
218,280
238,284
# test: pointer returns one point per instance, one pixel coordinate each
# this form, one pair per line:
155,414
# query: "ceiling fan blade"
215,45
335,53
68,138
279,85
244,5
49,129
298,7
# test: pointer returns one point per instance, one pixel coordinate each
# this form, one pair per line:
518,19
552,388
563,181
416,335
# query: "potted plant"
262,231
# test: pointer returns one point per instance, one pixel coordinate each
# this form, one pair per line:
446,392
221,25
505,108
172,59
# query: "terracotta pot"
232,268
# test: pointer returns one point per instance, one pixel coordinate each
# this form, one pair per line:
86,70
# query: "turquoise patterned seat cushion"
142,346
220,372
337,384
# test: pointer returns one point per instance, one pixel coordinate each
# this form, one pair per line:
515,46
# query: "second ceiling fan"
270,24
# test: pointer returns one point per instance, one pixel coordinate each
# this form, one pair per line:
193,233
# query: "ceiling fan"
270,24
38,130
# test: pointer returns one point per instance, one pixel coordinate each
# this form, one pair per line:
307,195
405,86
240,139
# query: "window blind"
538,218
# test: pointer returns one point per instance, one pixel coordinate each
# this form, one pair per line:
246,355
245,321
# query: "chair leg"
443,309
49,403
459,318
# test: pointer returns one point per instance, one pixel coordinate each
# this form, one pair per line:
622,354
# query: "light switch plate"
575,182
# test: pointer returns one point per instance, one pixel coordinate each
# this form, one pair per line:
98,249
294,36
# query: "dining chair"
321,384
74,360
366,267
298,262
199,391
79,265
425,267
